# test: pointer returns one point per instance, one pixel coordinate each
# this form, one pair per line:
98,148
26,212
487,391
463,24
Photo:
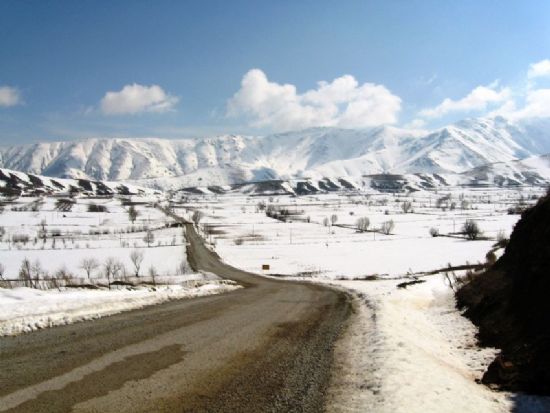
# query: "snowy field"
46,234
303,245
409,349
65,260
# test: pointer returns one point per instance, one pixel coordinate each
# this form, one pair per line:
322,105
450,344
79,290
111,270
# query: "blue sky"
73,69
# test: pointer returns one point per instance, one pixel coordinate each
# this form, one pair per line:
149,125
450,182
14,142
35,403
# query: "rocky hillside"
511,305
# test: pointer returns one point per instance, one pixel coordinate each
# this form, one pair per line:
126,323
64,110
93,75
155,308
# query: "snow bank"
410,350
25,309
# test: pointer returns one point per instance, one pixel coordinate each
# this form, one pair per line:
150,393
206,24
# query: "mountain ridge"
314,152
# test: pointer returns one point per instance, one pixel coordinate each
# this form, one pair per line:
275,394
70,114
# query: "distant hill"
14,183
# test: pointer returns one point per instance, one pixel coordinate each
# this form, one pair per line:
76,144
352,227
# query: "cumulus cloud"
137,98
537,105
478,99
342,102
539,69
9,96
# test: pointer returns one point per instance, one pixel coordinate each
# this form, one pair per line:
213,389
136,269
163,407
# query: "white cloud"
416,124
539,69
537,105
478,99
342,102
9,96
137,98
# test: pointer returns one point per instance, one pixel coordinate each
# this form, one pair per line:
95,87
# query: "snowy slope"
313,153
534,170
19,183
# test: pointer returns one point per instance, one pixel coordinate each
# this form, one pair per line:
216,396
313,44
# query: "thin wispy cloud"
9,96
479,99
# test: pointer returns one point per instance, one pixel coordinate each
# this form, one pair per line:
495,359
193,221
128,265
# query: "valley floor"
407,348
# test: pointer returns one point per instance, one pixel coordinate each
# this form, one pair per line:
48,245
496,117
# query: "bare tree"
333,219
387,227
119,270
434,232
37,271
149,237
2,271
153,274
25,273
132,214
42,233
471,229
136,256
89,265
362,224
406,206
109,267
197,216
325,221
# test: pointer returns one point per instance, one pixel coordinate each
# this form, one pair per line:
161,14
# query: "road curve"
263,348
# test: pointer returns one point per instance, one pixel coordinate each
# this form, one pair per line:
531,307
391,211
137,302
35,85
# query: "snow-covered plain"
407,350
57,242
247,238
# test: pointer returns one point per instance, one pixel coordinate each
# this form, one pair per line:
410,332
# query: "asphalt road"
263,348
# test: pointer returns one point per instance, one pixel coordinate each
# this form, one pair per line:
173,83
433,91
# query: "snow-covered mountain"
314,153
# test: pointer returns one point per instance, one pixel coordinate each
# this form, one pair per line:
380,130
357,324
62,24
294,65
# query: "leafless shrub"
434,232
132,214
362,224
64,275
20,238
387,227
25,273
153,274
471,229
406,206
149,238
97,208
